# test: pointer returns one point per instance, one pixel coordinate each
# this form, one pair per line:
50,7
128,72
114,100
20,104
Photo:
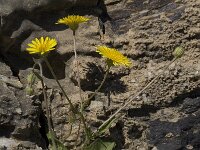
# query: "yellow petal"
41,45
32,45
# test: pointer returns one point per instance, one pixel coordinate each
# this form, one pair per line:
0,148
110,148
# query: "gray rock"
145,31
9,6
5,70
19,119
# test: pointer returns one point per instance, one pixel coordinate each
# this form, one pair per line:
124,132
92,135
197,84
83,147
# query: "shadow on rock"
58,65
144,111
94,77
181,134
117,135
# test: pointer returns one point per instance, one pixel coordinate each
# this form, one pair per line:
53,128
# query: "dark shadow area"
65,57
185,131
90,53
180,98
13,21
47,21
31,134
116,133
46,16
144,111
190,105
10,48
41,120
6,130
57,64
94,77
99,10
43,128
135,132
14,57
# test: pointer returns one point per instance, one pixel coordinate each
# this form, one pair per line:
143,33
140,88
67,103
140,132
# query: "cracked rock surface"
164,117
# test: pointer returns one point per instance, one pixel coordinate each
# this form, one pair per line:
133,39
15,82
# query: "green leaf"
101,145
31,78
37,75
49,136
29,90
109,62
106,126
59,144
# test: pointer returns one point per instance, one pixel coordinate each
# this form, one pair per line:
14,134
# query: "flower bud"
29,90
178,52
31,79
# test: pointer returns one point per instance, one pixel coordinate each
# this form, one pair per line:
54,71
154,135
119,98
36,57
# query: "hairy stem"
78,72
79,85
132,97
47,107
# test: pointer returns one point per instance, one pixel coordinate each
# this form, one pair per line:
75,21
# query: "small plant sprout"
31,78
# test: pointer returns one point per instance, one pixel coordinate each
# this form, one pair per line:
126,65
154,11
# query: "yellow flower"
114,55
41,46
72,21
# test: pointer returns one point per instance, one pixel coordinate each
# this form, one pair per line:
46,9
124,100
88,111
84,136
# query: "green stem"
134,96
79,85
52,72
70,131
78,133
78,72
47,107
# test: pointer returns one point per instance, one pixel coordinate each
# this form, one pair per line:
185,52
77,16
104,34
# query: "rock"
9,6
182,131
191,105
5,70
19,116
178,134
165,116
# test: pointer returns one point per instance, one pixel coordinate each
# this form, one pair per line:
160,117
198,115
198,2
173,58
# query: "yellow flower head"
41,46
72,21
114,55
